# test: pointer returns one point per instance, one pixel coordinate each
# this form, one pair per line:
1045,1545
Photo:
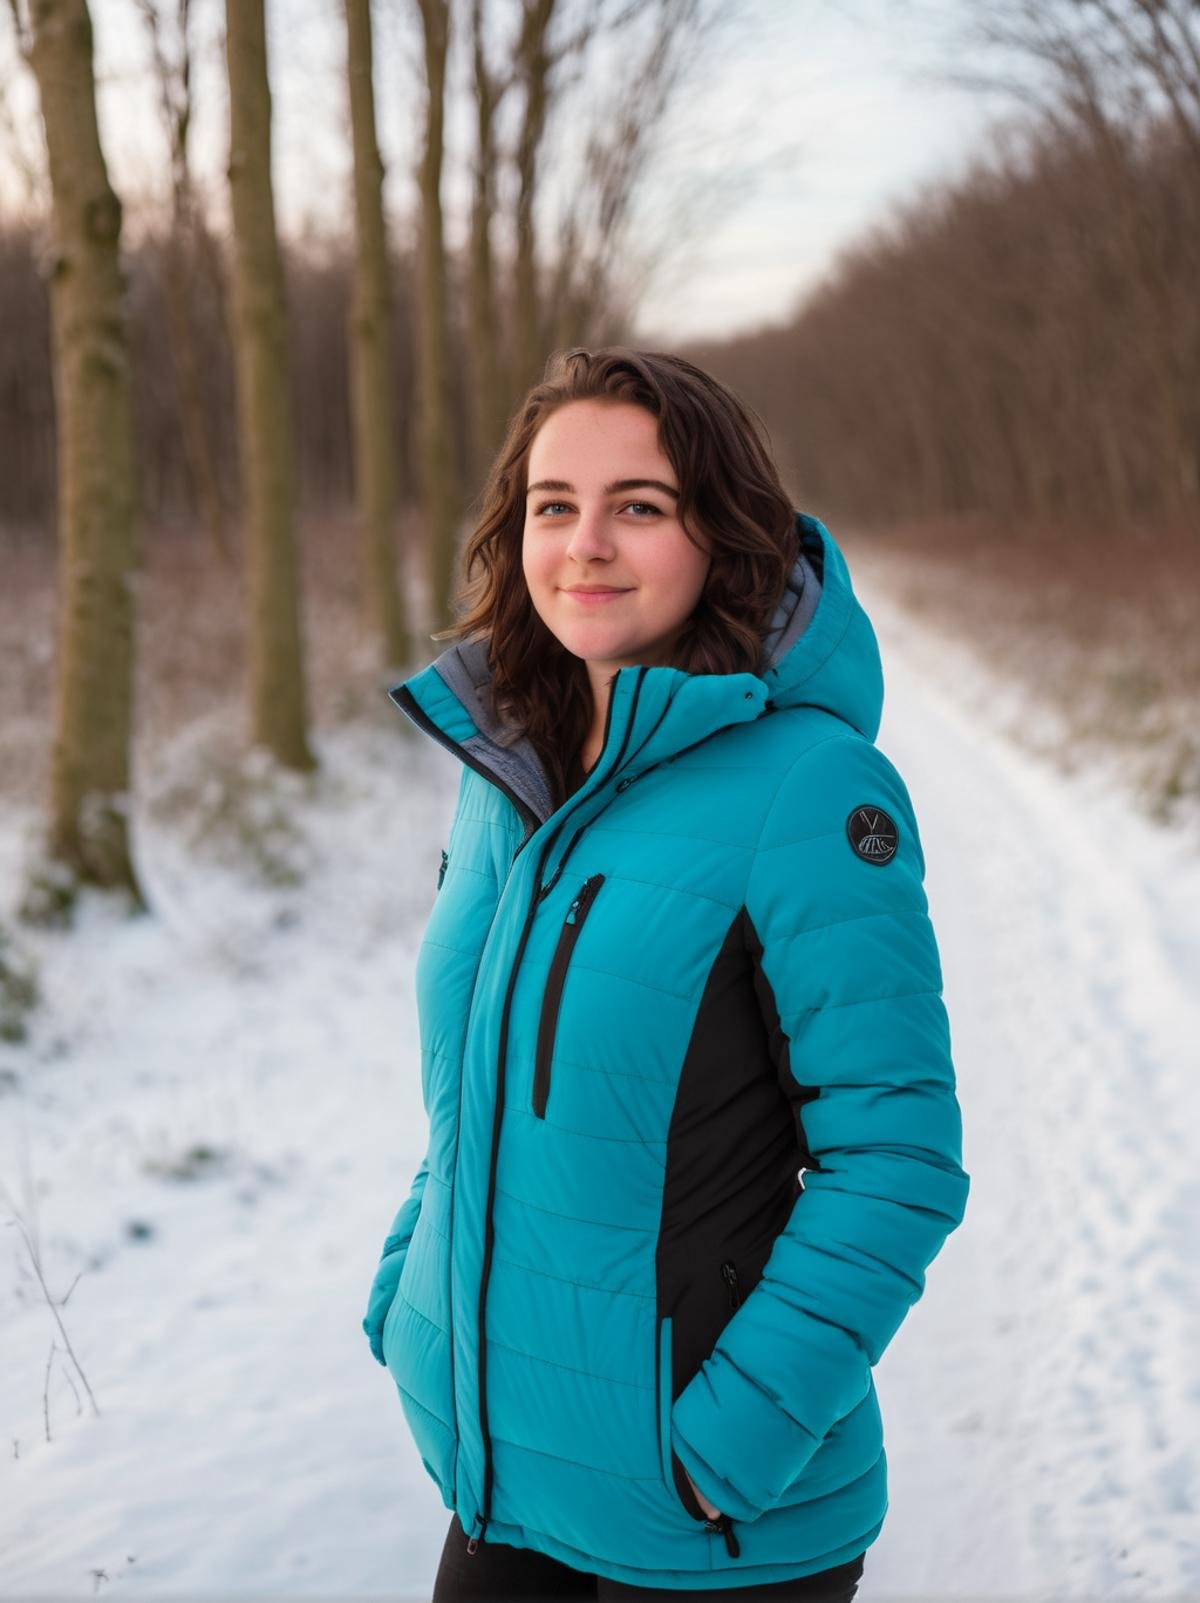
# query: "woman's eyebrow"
617,487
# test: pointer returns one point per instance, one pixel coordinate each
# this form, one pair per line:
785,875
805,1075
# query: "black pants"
497,1573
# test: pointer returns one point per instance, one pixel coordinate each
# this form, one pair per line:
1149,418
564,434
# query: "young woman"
680,953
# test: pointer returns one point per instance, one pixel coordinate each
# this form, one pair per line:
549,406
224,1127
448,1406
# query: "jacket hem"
681,1580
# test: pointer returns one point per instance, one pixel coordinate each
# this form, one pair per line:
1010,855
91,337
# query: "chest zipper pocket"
552,996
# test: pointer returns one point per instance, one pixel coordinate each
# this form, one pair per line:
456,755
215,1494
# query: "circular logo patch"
873,834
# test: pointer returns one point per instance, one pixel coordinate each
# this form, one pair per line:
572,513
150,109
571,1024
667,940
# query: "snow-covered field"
218,1111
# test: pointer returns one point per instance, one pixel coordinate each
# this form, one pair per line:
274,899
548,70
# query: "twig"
70,1380
35,1260
46,1388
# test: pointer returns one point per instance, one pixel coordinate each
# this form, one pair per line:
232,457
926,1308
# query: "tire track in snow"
1042,1425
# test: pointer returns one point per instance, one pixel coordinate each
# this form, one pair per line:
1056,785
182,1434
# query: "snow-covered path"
1042,1398
1043,1417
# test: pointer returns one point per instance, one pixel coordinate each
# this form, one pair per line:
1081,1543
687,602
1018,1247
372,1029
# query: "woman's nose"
591,536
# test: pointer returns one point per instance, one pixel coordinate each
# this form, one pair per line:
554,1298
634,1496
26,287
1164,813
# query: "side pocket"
674,1476
397,1298
387,1319
664,1398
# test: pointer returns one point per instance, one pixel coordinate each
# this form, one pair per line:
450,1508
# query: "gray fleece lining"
464,667
793,614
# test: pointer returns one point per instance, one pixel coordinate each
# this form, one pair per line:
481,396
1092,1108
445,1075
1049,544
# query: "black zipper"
729,1272
442,870
481,1519
555,980
404,698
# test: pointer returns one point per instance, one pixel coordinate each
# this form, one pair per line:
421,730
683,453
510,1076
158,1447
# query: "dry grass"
191,658
1102,631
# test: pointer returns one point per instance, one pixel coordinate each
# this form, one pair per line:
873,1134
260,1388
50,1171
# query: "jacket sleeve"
391,1261
853,988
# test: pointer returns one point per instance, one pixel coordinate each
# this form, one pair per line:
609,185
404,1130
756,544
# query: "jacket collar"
820,651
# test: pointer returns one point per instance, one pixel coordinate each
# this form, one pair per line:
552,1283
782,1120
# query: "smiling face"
610,571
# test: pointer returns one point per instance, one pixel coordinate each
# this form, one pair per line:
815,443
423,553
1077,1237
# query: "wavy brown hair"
729,491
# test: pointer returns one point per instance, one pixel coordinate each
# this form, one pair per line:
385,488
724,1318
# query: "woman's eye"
553,506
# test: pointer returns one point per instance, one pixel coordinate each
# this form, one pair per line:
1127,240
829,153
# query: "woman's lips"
594,597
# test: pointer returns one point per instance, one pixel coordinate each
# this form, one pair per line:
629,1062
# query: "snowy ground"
219,1110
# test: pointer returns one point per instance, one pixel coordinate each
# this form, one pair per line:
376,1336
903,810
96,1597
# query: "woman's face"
609,568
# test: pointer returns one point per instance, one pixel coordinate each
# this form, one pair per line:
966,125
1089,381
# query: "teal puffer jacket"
643,1015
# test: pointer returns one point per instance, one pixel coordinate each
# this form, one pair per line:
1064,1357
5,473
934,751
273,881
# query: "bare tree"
989,352
535,62
372,380
1107,67
88,835
22,147
597,269
440,492
278,711
188,247
503,374
1160,39
491,388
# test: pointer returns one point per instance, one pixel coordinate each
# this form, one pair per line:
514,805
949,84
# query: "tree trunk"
173,72
490,389
529,356
97,488
198,448
277,691
439,486
372,385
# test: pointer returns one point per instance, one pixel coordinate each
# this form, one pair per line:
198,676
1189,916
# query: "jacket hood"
820,651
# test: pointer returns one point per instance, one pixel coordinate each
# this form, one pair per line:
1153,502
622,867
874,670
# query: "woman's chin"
600,645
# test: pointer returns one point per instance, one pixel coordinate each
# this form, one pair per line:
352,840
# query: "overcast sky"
860,87
832,109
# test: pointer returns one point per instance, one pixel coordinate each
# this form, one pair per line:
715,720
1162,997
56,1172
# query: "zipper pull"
731,1280
475,1540
583,898
724,1524
442,870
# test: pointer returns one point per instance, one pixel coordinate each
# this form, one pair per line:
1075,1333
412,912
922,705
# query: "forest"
1008,361
275,276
